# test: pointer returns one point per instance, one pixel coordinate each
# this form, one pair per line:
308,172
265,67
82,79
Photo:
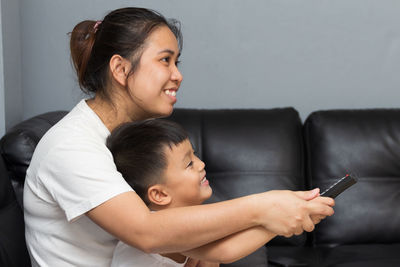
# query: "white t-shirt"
71,172
127,256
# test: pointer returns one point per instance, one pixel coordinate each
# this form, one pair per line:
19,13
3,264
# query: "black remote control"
338,187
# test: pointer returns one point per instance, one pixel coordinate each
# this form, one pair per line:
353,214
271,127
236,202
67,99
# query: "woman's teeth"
203,180
170,92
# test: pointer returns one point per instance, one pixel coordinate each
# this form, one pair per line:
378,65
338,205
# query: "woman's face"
154,84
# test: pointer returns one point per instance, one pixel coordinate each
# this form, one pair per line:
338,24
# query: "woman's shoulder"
78,132
81,121
81,124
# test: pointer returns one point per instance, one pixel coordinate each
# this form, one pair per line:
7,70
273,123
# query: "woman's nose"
176,75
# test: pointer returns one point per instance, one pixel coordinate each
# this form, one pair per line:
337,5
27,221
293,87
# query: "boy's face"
185,176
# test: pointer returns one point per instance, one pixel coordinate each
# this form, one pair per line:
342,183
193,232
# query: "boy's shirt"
125,255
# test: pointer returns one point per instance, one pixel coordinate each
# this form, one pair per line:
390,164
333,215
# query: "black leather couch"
250,151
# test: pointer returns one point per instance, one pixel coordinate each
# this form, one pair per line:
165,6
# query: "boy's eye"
177,63
190,164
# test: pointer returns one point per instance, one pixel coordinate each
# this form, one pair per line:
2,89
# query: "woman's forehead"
162,39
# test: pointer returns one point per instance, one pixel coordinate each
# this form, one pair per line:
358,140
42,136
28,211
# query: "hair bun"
81,44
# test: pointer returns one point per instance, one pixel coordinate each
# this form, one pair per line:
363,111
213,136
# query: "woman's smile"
157,75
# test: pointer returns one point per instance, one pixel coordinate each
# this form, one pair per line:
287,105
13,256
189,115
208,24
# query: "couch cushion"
248,151
370,255
367,144
258,258
284,256
13,250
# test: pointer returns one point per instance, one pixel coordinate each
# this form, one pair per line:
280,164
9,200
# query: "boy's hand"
317,218
314,196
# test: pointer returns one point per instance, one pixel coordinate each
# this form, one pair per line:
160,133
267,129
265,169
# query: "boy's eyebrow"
187,154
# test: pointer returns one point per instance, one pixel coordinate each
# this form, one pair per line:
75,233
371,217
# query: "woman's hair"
138,149
122,32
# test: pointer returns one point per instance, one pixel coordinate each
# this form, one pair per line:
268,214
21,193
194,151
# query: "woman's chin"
164,113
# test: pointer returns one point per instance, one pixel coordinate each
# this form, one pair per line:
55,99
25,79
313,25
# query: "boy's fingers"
308,224
316,219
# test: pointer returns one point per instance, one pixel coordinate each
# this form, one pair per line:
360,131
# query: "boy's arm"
241,244
233,247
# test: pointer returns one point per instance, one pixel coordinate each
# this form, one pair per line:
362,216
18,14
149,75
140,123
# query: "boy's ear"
158,195
119,68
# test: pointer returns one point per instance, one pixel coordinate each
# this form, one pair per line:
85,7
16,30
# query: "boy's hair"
138,151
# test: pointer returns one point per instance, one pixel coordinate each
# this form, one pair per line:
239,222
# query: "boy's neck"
154,207
177,257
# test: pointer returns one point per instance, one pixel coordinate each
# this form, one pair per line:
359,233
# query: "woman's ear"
158,195
120,68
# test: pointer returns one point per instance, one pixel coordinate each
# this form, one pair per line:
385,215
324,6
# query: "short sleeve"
80,175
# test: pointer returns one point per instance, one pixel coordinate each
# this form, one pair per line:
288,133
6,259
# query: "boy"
157,159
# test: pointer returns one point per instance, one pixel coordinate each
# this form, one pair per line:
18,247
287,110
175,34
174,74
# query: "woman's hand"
290,213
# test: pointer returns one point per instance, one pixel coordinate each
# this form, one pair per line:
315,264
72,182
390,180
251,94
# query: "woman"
77,205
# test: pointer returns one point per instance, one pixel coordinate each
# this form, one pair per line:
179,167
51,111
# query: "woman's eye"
177,63
165,59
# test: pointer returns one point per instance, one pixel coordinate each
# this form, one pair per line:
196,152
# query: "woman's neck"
111,115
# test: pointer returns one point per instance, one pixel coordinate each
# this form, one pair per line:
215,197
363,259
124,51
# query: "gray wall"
2,107
11,47
311,55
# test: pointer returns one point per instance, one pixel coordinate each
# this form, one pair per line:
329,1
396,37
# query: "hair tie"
96,25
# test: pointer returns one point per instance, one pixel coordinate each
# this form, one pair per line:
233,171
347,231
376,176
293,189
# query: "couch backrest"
18,144
365,143
248,151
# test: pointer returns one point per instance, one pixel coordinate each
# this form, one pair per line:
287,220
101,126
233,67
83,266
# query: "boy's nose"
202,165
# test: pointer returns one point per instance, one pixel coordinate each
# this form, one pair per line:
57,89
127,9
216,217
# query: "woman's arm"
180,229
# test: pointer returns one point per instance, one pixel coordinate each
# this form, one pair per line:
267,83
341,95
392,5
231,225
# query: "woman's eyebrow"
169,51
